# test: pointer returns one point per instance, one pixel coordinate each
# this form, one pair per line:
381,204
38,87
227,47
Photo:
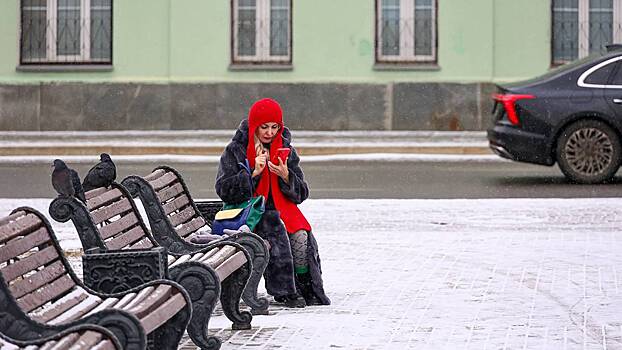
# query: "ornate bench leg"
232,288
203,286
260,256
168,336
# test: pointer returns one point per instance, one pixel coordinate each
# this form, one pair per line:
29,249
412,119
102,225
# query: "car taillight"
508,101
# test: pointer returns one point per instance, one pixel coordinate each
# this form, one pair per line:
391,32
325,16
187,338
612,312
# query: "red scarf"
268,111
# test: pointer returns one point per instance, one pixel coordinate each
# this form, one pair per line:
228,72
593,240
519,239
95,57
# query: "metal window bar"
600,25
101,30
406,31
33,33
262,32
583,27
565,31
66,31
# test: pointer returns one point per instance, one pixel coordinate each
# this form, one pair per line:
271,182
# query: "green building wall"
333,41
185,44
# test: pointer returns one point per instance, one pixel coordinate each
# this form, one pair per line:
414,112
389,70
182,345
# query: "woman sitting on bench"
281,181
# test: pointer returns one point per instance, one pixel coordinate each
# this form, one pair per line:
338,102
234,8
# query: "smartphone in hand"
283,153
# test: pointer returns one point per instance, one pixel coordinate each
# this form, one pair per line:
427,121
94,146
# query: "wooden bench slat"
176,204
152,301
108,303
142,244
182,259
58,307
104,345
11,217
155,174
125,300
126,238
165,311
94,192
47,346
38,279
18,268
167,193
182,216
219,257
41,296
106,197
110,211
230,265
118,226
139,297
22,226
163,181
77,310
171,259
66,341
87,340
209,253
197,256
24,244
190,227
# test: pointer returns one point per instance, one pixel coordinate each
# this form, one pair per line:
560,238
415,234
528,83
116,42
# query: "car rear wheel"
588,152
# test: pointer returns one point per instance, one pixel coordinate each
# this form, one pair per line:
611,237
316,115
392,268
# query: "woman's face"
266,132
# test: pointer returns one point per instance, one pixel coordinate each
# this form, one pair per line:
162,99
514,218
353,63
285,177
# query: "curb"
213,142
217,151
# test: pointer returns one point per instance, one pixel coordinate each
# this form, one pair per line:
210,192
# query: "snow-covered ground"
449,274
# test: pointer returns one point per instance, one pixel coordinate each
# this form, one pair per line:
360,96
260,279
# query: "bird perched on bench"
66,181
102,174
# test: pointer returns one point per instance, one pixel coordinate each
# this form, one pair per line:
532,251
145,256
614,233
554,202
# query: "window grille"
261,31
66,32
584,27
406,30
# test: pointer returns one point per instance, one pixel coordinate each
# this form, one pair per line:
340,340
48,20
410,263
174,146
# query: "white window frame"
407,42
51,55
85,33
584,26
262,35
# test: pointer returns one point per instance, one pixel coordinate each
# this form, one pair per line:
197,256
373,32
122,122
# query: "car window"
616,79
601,75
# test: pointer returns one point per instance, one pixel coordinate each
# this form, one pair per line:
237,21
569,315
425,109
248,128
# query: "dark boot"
303,283
291,300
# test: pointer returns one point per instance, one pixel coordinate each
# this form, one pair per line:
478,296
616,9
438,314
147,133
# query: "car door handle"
617,100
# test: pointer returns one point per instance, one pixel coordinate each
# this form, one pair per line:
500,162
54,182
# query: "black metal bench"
110,221
41,296
173,215
85,337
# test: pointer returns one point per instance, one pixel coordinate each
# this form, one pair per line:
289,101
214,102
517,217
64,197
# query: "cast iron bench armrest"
71,334
209,209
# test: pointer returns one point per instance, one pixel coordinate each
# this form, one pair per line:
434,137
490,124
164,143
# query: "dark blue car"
571,115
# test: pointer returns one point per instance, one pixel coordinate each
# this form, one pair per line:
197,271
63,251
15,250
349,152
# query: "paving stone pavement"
455,274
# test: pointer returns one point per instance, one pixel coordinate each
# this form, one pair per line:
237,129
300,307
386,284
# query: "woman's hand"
260,163
280,170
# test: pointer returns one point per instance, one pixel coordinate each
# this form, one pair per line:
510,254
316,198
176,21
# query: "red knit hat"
263,111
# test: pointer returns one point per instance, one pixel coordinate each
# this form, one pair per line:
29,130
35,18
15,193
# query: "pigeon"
102,174
62,179
77,186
